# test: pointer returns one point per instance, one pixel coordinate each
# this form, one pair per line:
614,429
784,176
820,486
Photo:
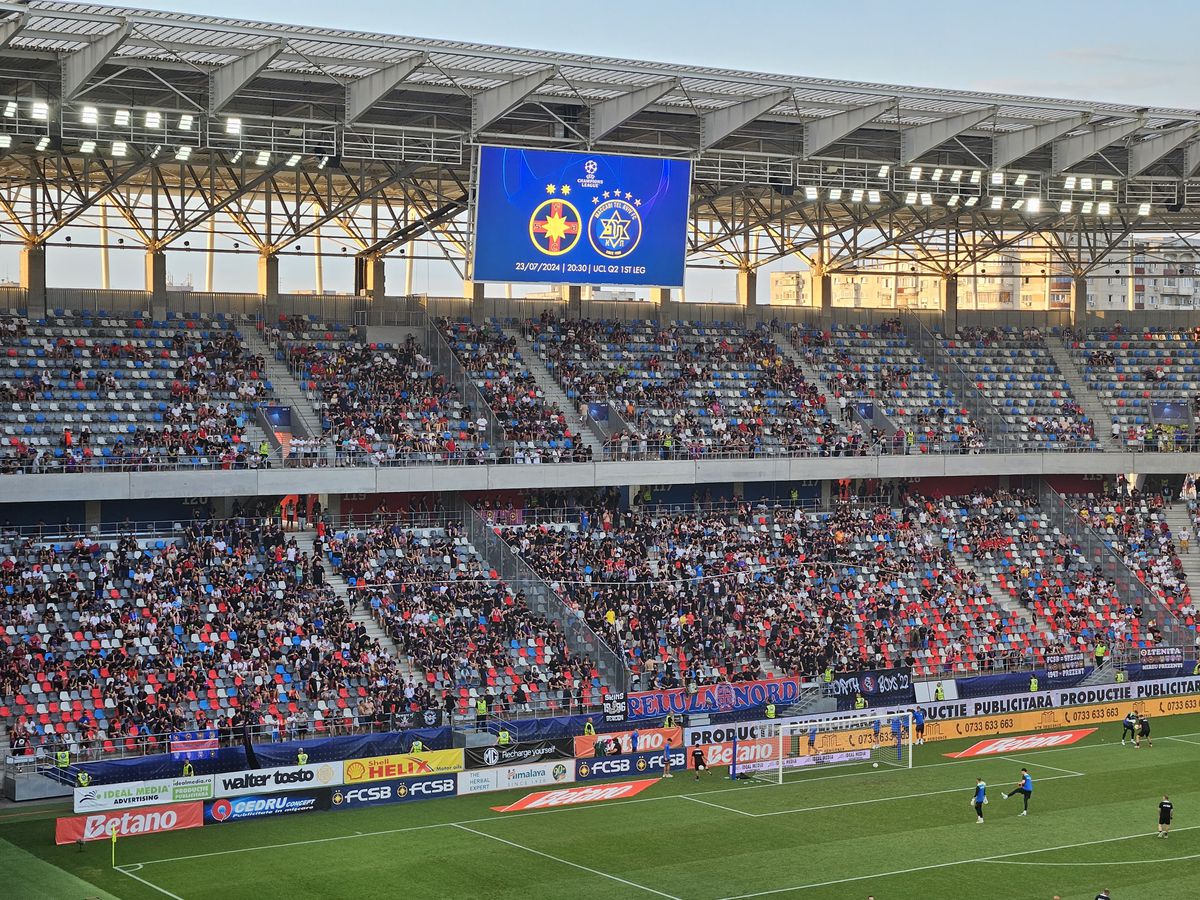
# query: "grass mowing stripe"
567,862
129,870
947,865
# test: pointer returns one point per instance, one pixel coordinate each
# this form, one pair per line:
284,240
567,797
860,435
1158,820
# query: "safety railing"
939,362
543,599
1131,589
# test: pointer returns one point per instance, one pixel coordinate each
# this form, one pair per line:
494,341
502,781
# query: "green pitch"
838,833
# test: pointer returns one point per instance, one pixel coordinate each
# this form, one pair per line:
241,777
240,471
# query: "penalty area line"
567,862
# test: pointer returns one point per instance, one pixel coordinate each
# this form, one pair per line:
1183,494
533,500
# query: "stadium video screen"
580,218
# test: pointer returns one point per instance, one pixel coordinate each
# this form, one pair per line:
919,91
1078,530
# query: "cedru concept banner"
580,218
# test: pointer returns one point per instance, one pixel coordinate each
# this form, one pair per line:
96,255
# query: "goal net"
869,739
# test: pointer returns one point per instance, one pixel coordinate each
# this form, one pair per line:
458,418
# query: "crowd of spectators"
468,634
384,404
108,643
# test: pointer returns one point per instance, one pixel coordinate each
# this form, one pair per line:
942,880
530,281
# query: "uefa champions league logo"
589,180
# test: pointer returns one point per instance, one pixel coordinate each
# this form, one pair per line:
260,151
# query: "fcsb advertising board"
580,218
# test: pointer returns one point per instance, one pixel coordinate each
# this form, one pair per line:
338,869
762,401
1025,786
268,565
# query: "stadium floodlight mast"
791,750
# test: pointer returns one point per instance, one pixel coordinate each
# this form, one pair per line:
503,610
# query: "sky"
1099,50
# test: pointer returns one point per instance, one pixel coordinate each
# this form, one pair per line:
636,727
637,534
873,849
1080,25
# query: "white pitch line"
946,865
1181,740
129,870
1042,766
1130,862
875,773
958,790
740,812
567,862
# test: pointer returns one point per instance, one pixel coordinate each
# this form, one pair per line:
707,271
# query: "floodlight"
937,174
857,195
873,196
264,157
1087,207
236,157
953,201
1106,184
153,119
975,176
118,149
911,198
997,178
295,158
926,199
1065,206
5,141
914,174
1021,179
185,122
1143,209
1033,204
1104,208
810,193
233,126
956,176
997,203
971,201
90,116
883,171
10,109
87,147
121,118
43,144
183,153
41,110
1069,184
1085,183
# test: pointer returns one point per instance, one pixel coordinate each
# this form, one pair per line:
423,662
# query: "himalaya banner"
713,698
878,686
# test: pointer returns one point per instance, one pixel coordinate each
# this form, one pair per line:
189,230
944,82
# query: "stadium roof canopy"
780,160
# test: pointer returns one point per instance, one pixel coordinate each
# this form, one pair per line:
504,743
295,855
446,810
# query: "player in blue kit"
919,724
875,728
980,799
1024,788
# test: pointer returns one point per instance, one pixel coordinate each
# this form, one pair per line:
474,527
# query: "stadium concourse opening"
880,588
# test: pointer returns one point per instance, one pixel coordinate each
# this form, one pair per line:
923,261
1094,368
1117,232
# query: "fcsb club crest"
615,226
555,226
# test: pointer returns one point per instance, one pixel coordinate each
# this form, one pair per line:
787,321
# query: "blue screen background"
625,218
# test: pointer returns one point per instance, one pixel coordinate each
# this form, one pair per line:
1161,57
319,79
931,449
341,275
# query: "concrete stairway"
1000,599
287,389
1092,407
811,375
1178,519
555,394
362,613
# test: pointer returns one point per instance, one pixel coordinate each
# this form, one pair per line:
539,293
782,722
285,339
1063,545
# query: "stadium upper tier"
93,392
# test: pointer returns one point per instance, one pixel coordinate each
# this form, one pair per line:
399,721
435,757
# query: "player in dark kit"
1128,726
1166,810
698,762
1143,732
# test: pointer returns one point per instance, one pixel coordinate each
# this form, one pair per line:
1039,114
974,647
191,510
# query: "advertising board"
480,781
143,793
516,754
646,740
272,781
99,826
402,790
629,764
402,765
258,806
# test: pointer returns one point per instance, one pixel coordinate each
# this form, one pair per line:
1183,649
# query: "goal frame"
854,744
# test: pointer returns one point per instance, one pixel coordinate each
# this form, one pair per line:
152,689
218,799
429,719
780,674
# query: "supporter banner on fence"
480,781
712,698
878,686
615,706
1064,665
403,765
403,790
1161,659
616,743
630,764
143,793
190,745
273,781
427,718
515,754
99,826
257,806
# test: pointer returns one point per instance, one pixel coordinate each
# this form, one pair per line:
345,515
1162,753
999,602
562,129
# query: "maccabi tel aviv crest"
615,225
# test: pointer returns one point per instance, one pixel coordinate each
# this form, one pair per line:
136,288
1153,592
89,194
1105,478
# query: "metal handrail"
543,599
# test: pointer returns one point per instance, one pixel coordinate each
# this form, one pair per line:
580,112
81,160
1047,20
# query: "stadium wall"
425,479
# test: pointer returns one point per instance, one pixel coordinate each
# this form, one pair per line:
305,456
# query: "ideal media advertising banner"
580,218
